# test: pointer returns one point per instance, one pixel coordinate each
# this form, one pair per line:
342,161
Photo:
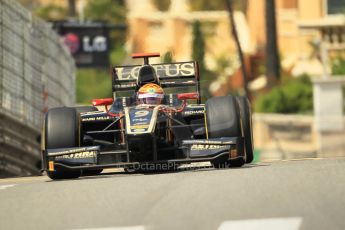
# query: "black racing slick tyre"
61,131
246,117
223,120
223,117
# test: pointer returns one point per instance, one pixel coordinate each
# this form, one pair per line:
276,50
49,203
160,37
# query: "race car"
155,120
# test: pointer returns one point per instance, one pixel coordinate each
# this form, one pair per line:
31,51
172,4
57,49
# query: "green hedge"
91,84
294,95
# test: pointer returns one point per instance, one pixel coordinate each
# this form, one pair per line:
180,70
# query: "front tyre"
61,131
246,117
223,120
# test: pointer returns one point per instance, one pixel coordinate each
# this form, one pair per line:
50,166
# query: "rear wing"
170,75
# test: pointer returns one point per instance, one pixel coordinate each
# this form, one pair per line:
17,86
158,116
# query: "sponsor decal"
138,130
208,147
86,154
194,106
139,126
93,113
88,41
141,113
71,40
193,112
89,44
124,86
167,70
210,142
72,150
96,118
95,44
140,120
137,120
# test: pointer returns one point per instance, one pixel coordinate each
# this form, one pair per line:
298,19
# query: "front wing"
92,157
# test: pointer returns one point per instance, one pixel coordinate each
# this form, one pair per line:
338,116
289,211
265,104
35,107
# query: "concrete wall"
279,137
329,115
37,72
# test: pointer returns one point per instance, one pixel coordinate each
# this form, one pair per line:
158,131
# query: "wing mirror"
186,96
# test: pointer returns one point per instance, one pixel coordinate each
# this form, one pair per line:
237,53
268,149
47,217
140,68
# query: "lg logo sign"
90,44
96,44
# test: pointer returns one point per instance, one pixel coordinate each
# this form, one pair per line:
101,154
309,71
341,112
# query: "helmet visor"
150,100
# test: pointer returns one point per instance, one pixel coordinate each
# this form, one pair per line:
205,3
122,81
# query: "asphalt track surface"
303,194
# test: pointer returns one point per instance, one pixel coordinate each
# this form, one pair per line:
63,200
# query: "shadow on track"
181,169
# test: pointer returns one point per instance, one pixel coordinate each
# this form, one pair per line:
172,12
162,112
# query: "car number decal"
141,113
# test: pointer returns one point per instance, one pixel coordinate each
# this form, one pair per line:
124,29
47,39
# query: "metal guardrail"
36,73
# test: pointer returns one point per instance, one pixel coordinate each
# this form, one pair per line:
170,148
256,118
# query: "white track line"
3,187
292,223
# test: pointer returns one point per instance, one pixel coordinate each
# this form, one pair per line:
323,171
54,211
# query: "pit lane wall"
36,73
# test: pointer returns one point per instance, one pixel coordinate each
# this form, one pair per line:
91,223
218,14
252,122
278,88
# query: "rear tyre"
246,117
61,131
85,109
223,120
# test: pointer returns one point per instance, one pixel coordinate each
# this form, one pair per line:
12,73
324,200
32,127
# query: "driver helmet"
151,94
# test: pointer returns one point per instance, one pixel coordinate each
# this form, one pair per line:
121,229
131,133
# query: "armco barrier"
36,73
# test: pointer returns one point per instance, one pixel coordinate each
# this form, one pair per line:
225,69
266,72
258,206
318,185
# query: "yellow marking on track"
23,179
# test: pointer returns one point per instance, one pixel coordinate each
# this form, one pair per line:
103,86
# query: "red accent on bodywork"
185,96
102,101
114,114
141,55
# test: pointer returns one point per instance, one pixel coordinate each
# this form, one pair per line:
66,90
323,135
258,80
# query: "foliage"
198,46
168,57
207,5
52,12
294,95
29,4
198,54
92,83
162,5
338,69
95,83
201,5
117,55
108,10
338,66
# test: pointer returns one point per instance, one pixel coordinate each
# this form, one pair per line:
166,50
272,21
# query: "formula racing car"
155,120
